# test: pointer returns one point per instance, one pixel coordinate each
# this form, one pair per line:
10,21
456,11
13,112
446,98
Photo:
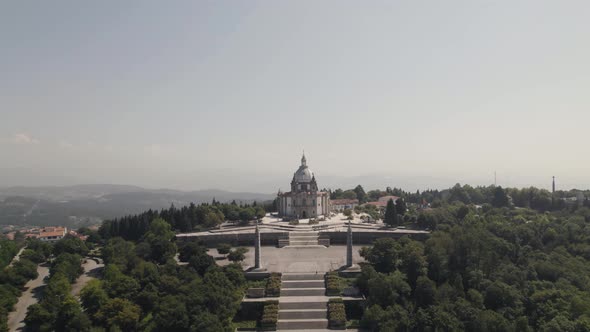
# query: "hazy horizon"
226,95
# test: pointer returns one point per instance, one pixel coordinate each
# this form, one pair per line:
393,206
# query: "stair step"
302,284
294,324
303,314
303,291
302,276
302,305
307,246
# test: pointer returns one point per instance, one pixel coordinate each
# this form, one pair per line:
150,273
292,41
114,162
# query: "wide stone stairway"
303,304
303,238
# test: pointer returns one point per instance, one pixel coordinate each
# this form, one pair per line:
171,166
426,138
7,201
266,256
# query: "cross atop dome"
303,160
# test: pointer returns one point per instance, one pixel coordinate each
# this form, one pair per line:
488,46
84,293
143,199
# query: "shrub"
336,314
270,316
273,285
223,248
332,284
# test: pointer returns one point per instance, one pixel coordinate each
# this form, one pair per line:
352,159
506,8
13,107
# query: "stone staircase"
302,305
303,238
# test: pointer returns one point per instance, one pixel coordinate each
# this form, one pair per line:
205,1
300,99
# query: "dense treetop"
184,219
483,269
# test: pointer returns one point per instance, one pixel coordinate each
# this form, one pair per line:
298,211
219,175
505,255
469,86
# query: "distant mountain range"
79,205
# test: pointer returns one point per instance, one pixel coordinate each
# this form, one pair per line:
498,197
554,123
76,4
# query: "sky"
227,94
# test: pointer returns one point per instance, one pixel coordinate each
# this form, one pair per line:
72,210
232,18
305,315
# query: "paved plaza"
301,260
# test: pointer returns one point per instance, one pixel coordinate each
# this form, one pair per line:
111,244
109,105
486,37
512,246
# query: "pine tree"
390,214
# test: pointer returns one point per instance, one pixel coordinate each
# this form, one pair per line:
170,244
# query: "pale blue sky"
226,94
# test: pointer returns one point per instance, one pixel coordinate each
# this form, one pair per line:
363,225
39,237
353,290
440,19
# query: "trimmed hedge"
336,314
273,285
270,316
332,284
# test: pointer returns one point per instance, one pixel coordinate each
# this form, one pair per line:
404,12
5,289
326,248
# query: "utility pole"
553,193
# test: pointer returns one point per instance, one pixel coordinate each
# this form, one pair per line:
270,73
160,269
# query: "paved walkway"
300,260
17,256
30,296
92,270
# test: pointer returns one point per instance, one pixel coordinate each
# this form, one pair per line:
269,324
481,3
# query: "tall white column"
257,248
349,246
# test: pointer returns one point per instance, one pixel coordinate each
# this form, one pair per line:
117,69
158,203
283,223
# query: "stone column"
349,246
257,264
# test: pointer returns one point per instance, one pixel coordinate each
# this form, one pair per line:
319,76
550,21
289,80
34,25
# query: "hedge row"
332,284
336,314
270,316
273,285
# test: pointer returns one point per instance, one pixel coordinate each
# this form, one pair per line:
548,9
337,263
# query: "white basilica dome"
303,174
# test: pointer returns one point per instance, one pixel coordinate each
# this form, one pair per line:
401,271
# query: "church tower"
304,200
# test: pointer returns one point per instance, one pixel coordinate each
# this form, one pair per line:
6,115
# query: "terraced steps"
294,312
308,324
302,276
303,283
302,313
303,238
302,291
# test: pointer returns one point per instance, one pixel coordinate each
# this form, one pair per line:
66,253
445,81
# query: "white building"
304,200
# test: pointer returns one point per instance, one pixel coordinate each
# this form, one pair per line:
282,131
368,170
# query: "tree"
223,248
425,292
391,214
70,245
384,254
190,249
413,261
500,198
25,268
38,318
360,194
70,316
389,289
159,238
93,297
348,213
118,284
400,206
237,255
171,315
201,262
121,313
247,214
205,321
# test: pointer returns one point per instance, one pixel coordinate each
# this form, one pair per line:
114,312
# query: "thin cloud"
65,145
22,138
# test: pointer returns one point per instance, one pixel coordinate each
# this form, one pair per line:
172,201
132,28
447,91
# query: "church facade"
304,200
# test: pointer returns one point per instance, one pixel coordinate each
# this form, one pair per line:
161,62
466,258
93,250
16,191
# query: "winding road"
92,270
34,289
32,294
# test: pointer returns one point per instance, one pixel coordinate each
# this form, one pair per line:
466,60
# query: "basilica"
304,200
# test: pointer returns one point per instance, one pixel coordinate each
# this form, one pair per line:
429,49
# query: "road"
34,288
92,270
17,256
30,296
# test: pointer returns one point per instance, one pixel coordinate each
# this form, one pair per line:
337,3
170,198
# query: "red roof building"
382,202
